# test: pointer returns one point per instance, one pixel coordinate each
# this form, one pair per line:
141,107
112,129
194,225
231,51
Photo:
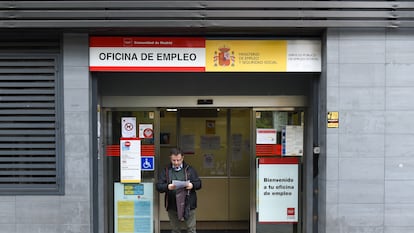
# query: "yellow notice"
246,55
125,208
333,119
131,181
126,225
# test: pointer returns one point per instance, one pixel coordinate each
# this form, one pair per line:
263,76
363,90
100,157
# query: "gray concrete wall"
367,181
69,213
76,205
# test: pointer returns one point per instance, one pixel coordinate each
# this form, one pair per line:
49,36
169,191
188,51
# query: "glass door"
129,202
216,141
279,149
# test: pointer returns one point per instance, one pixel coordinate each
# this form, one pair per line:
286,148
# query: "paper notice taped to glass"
180,184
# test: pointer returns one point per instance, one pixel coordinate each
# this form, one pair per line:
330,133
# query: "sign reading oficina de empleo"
197,54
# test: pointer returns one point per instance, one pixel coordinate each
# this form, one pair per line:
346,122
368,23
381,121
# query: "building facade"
55,112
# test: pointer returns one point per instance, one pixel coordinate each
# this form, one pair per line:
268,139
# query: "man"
179,181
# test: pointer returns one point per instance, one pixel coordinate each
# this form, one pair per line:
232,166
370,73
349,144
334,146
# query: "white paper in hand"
180,184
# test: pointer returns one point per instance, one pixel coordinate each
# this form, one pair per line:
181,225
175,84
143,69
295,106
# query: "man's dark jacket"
164,178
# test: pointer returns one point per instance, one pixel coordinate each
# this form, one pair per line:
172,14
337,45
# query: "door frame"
147,103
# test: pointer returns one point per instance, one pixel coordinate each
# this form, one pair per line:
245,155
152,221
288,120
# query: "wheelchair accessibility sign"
147,163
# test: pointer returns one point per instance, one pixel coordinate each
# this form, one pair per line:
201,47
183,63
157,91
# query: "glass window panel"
203,138
239,153
278,120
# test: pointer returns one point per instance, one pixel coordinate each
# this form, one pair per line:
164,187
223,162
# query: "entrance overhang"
192,101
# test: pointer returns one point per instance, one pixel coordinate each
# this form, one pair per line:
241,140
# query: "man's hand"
189,185
171,187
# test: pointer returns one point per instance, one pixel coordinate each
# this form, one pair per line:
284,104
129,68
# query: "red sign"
155,54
